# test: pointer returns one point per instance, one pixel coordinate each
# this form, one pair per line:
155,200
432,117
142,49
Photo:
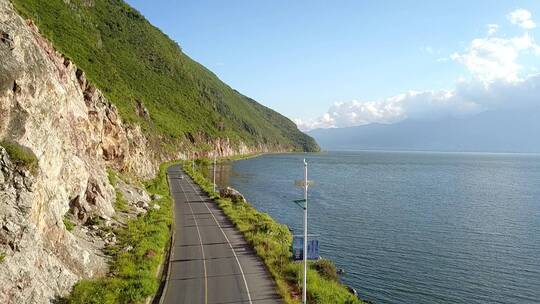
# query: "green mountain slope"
132,61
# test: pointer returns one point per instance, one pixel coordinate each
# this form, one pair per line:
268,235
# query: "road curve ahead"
210,261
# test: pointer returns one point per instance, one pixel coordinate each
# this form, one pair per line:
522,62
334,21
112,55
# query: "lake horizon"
412,226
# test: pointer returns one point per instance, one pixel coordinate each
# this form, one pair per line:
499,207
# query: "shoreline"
255,155
324,284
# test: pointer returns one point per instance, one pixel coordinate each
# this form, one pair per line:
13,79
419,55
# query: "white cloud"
492,29
522,18
495,58
496,81
468,98
412,104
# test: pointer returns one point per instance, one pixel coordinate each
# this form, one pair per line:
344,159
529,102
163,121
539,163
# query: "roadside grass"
271,242
136,257
20,155
327,269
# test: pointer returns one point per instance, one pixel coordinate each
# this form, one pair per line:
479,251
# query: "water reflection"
224,172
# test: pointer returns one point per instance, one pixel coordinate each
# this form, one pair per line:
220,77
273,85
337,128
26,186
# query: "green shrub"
69,224
326,269
21,155
2,257
101,291
204,162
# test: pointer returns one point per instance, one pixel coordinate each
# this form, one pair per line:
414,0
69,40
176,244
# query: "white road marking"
226,238
200,241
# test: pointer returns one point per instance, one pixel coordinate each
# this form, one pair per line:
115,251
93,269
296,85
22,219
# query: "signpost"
298,248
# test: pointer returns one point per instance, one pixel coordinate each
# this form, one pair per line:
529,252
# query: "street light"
304,184
304,292
214,174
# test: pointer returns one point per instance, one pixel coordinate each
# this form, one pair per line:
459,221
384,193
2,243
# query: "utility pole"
304,291
193,161
214,174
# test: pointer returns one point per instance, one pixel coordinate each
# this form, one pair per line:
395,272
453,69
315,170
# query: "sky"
345,63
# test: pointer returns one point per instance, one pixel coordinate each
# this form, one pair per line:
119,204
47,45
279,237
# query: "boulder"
232,194
134,195
156,197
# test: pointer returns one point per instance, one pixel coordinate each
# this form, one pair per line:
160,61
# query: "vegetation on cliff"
272,241
152,82
20,155
135,258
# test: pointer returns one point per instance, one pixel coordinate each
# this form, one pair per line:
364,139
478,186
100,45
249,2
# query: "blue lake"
412,227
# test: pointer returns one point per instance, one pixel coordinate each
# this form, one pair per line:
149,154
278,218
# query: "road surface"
210,261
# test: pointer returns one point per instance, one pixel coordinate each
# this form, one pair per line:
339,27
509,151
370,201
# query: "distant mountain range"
496,131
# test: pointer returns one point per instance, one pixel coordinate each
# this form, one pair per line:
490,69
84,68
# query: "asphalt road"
210,261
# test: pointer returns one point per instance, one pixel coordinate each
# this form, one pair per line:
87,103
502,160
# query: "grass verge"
136,257
272,240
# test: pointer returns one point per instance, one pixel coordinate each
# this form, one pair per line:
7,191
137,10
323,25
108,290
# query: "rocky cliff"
48,106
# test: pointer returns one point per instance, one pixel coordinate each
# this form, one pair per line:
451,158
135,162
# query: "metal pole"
214,174
304,291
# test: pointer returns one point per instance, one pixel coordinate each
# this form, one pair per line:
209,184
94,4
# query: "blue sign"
298,248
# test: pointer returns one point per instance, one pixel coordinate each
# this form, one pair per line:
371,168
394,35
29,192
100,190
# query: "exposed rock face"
48,105
40,262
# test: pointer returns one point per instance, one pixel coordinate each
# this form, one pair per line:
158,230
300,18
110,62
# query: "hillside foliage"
137,66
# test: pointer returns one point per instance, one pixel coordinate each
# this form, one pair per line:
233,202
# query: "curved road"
210,261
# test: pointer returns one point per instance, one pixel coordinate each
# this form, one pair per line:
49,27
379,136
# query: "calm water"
413,227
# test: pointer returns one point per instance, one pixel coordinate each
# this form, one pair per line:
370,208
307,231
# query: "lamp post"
304,184
304,291
214,174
